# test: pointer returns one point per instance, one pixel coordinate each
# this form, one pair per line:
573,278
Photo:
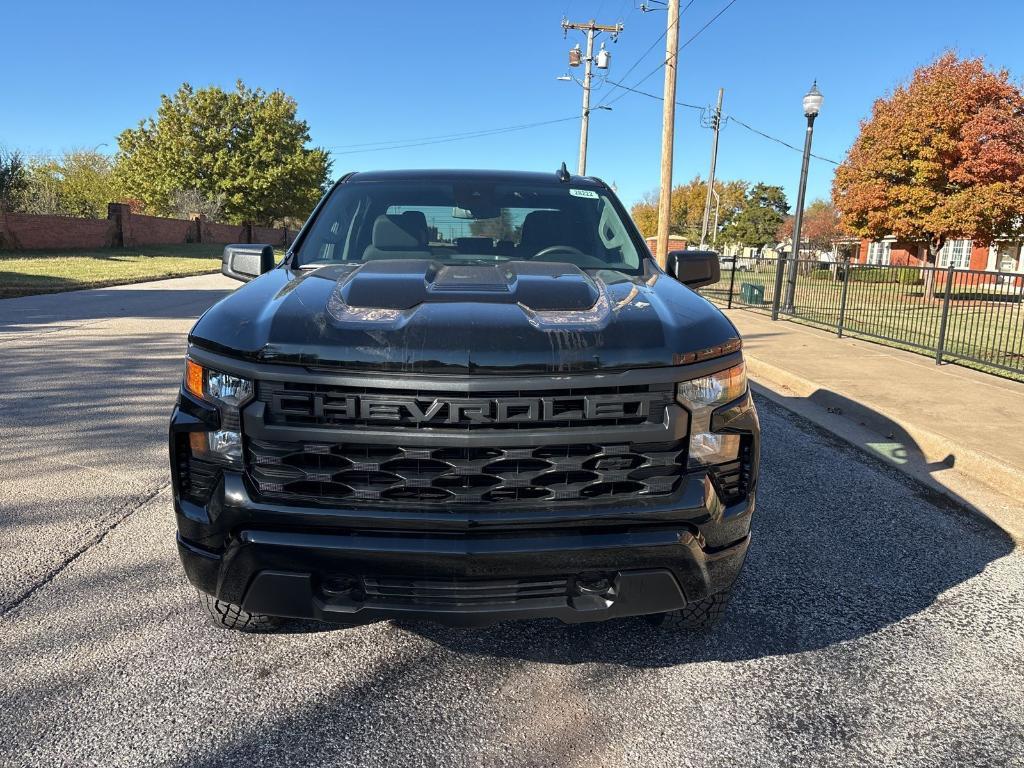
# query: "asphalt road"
874,623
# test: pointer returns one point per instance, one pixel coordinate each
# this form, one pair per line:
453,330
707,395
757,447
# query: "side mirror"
694,268
245,262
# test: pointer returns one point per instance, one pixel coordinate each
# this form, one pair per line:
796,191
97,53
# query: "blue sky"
373,71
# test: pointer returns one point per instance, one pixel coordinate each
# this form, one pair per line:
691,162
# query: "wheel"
702,614
231,616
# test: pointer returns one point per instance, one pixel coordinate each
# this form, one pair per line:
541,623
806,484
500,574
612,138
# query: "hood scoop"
404,284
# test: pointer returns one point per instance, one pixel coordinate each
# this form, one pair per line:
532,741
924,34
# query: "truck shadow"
843,546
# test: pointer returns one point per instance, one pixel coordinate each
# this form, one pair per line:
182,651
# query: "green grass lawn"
24,273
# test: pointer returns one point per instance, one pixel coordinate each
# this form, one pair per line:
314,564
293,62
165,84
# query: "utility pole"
581,166
716,123
668,127
592,29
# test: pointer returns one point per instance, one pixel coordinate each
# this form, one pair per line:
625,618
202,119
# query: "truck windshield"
472,222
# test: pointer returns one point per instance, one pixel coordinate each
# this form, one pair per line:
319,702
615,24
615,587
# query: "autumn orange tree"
687,207
941,158
821,227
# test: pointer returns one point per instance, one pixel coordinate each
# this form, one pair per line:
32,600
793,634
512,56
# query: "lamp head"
812,101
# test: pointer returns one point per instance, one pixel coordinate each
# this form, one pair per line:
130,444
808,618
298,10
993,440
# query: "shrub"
872,275
909,276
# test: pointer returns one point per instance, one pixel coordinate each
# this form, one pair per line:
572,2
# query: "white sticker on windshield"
583,193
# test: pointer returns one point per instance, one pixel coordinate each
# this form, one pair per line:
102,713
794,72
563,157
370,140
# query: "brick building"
675,243
1002,256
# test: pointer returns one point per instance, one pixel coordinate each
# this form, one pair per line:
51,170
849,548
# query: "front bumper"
464,582
324,563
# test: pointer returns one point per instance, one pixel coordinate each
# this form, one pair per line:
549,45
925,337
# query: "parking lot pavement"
88,381
874,624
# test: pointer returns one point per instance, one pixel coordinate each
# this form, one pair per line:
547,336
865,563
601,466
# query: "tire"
231,616
700,615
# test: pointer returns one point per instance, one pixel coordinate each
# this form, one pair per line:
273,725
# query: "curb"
923,454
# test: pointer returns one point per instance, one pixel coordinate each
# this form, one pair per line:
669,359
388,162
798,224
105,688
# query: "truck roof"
501,177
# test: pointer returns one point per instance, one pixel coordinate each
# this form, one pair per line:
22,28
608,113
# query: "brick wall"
23,231
675,243
223,233
979,257
154,230
274,236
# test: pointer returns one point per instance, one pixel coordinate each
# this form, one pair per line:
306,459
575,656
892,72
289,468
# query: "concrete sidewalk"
960,431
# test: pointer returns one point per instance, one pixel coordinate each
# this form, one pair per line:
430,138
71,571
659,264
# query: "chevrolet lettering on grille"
414,410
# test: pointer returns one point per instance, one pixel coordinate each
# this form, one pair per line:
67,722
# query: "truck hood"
424,317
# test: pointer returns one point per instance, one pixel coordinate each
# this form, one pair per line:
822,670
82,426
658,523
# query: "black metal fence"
971,317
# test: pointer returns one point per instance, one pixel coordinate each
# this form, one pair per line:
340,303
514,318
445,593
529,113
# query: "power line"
693,37
690,40
655,96
421,138
710,22
652,45
726,119
777,140
376,146
622,20
645,53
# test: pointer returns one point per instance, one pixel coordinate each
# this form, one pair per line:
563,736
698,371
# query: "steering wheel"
556,249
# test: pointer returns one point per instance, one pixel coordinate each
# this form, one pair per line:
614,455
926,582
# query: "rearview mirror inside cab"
245,262
694,268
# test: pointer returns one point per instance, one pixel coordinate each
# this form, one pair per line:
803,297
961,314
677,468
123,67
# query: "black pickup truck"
469,397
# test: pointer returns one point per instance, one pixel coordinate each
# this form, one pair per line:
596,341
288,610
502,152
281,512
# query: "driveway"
874,624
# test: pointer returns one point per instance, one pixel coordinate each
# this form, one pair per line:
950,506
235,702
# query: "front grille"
313,472
304,404
462,592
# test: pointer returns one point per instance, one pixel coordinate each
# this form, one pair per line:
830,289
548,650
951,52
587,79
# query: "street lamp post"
812,106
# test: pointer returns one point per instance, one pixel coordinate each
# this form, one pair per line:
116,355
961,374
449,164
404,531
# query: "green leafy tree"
245,147
13,180
79,183
764,209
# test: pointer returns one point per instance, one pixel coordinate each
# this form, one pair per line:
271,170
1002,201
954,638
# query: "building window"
879,252
957,253
1008,258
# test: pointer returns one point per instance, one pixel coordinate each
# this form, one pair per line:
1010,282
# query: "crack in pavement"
89,544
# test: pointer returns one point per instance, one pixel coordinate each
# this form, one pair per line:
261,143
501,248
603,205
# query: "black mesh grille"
732,480
302,404
196,478
462,592
328,472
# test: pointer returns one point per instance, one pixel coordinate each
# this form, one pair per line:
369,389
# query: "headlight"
229,393
701,397
216,387
714,390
